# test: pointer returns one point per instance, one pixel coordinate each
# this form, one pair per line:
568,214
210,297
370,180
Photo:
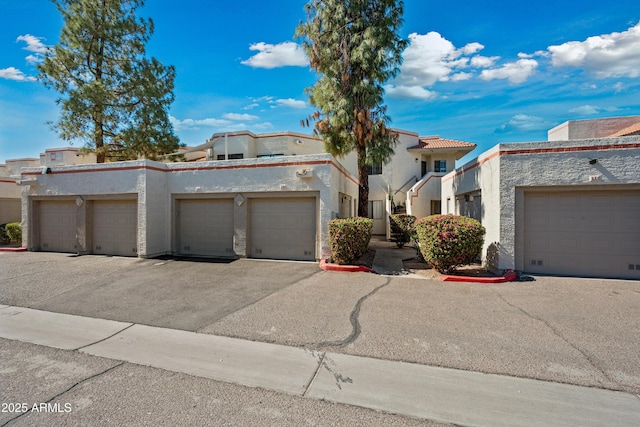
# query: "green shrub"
401,228
4,239
349,239
449,241
14,232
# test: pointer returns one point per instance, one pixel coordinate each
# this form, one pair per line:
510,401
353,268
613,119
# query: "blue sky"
483,72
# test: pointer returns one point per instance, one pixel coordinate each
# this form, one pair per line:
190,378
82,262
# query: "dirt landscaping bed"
417,266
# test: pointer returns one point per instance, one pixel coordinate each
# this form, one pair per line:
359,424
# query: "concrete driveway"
576,331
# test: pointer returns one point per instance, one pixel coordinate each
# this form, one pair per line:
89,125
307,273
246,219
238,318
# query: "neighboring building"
559,207
10,195
10,205
594,128
240,194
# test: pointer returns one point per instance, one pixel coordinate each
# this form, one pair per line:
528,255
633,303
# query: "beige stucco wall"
591,128
421,194
251,145
66,156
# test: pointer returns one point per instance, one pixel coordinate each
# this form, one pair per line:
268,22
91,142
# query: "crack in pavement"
355,324
67,390
557,333
210,322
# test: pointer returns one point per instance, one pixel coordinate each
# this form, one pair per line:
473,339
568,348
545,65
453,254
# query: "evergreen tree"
355,48
114,99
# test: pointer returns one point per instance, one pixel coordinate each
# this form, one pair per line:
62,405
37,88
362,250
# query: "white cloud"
459,77
471,48
291,103
480,61
192,124
588,110
525,123
585,110
515,72
34,45
619,87
607,55
410,92
251,106
428,58
277,55
239,117
13,73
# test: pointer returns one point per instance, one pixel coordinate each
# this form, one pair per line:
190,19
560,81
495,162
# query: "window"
375,209
374,169
264,156
231,156
436,207
440,166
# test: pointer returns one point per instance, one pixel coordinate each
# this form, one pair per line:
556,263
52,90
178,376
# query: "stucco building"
567,207
239,194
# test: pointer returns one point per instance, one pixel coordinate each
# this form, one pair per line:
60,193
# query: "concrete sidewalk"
438,394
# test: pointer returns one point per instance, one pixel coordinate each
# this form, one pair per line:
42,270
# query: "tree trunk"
363,179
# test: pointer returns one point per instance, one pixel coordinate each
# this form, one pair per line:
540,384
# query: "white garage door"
115,227
583,233
283,228
57,226
205,227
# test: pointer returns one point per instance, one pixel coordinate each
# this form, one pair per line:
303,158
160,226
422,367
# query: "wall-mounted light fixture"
304,173
593,161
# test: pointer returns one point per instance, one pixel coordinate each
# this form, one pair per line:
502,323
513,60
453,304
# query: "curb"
344,268
13,249
509,276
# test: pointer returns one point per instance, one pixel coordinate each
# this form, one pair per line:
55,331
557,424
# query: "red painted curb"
509,276
13,249
345,268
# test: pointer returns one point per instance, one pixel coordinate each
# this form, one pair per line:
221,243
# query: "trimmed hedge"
401,228
4,239
449,241
14,232
349,239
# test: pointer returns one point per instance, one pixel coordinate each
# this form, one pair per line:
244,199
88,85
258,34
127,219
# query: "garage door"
583,233
57,226
283,228
115,227
205,227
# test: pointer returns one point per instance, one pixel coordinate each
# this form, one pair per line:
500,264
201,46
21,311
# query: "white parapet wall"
155,186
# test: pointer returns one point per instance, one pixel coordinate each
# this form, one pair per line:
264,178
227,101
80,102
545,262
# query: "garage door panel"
283,228
57,226
587,233
205,227
115,227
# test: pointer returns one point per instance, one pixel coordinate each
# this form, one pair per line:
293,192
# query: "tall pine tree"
114,99
355,48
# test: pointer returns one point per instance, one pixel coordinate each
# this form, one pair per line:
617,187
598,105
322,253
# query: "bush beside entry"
14,232
401,228
349,239
449,241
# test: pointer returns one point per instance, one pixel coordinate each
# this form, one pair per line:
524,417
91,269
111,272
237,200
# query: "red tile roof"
634,129
437,142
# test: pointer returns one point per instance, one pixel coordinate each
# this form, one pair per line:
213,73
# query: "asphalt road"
567,330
